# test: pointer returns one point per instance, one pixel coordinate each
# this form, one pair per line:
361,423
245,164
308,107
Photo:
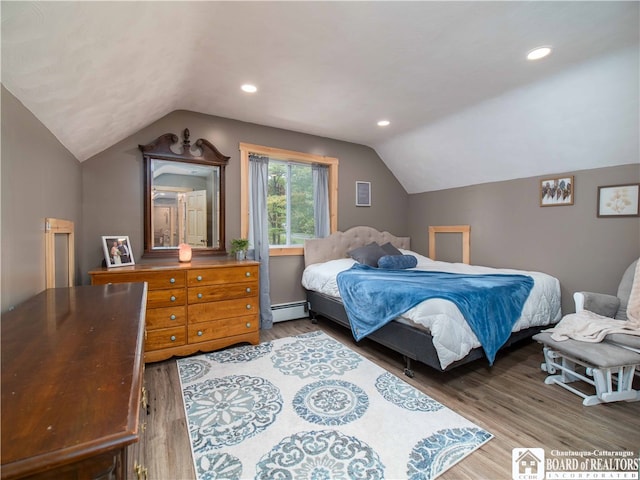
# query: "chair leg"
619,377
565,366
612,384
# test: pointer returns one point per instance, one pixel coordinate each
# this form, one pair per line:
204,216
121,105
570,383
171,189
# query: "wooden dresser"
72,375
203,305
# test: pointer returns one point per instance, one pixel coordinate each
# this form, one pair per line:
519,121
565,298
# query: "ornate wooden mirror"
183,196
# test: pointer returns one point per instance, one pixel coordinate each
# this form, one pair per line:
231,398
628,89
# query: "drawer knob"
173,298
248,324
141,472
143,400
248,306
248,290
248,274
173,338
199,333
199,278
172,317
199,295
172,280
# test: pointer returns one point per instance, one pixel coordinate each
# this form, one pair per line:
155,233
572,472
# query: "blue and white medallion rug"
308,407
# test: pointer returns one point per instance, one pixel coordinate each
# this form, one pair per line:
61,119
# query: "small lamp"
184,252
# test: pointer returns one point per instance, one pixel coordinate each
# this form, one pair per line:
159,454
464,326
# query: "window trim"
285,156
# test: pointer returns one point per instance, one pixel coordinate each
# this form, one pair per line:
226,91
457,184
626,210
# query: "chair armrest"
600,303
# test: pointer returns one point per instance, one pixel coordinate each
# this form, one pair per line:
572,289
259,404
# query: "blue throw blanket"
491,304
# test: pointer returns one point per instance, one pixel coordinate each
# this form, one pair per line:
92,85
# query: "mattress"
453,339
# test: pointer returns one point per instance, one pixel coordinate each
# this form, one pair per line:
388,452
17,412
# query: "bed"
434,332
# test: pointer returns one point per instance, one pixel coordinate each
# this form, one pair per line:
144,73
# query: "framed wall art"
619,200
363,194
557,191
117,251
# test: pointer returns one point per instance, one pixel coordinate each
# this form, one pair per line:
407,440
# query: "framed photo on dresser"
117,251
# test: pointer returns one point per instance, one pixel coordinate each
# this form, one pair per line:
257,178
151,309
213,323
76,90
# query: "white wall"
586,117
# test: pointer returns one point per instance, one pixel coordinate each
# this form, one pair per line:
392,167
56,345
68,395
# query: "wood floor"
509,400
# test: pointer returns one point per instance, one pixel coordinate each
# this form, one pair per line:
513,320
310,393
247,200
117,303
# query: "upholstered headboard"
338,244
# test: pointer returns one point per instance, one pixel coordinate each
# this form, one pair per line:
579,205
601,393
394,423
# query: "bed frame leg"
408,371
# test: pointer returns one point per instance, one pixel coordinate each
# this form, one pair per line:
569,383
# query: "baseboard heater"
289,311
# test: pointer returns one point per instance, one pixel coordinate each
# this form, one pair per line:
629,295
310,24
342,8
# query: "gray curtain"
259,231
321,200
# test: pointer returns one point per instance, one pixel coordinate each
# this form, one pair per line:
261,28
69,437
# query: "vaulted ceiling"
465,105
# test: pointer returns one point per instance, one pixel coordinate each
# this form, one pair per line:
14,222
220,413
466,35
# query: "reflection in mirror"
184,197
186,204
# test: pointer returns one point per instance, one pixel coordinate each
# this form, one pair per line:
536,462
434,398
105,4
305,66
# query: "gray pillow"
398,262
368,255
389,249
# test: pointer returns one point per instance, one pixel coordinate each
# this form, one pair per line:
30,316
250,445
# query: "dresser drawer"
214,276
166,317
214,293
172,279
204,312
155,280
222,328
166,298
165,337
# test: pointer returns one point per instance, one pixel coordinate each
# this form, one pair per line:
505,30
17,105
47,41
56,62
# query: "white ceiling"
465,105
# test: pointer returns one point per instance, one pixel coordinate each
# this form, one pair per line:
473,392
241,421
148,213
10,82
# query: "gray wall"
40,178
103,196
510,229
112,183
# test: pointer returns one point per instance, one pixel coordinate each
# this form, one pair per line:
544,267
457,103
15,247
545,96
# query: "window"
290,196
290,203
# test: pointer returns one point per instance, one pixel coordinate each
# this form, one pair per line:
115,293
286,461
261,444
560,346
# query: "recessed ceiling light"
249,88
538,53
383,123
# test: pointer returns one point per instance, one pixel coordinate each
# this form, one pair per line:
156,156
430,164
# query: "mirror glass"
185,204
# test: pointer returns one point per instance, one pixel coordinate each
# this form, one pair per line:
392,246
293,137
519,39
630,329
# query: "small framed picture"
363,194
557,191
117,250
619,200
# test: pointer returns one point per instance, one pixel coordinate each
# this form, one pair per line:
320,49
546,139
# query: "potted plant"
239,248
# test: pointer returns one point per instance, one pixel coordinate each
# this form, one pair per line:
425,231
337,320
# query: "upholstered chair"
608,305
609,365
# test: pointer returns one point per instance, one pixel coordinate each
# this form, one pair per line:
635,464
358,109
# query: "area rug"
308,407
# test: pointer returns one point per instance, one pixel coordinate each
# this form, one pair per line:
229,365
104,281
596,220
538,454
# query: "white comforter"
453,339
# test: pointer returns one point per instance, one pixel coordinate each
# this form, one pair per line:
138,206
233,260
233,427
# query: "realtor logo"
528,463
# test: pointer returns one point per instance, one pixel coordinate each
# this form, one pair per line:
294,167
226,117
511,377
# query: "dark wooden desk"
72,372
